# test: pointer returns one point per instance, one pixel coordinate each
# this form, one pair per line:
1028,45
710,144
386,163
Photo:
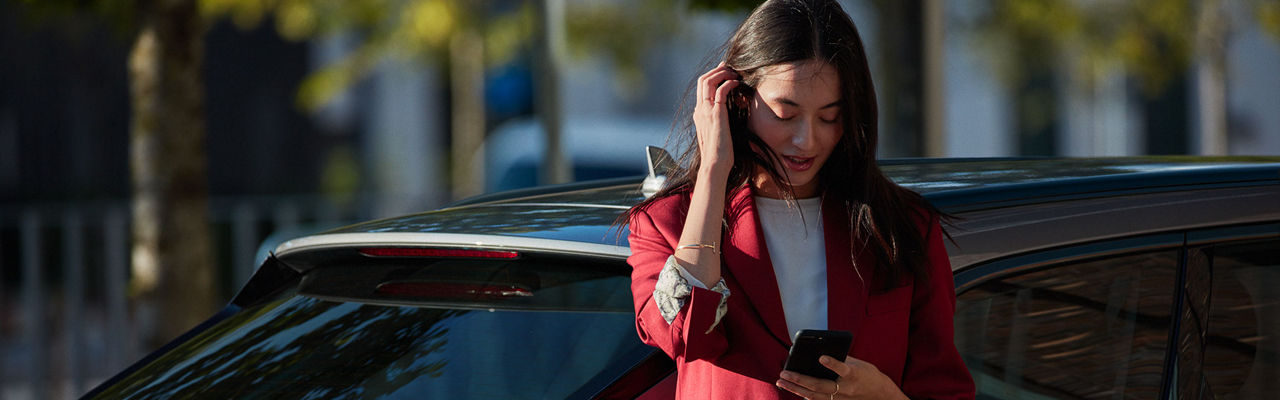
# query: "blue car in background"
595,147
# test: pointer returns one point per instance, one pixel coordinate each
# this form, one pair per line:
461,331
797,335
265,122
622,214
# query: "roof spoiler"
660,165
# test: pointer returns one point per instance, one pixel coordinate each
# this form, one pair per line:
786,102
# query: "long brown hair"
883,217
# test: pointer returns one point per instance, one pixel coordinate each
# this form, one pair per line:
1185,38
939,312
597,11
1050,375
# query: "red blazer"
906,333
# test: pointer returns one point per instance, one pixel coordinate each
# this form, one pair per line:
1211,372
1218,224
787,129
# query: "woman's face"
796,111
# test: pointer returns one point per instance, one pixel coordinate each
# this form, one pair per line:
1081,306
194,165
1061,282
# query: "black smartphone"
810,344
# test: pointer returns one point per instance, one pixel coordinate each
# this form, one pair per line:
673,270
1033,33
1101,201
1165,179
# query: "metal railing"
67,322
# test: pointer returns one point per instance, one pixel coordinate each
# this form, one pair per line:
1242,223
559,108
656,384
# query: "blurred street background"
153,152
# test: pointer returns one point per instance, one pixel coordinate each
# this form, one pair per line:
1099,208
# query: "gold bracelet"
714,247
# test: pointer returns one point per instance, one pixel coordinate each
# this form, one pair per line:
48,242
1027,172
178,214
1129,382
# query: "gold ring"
833,394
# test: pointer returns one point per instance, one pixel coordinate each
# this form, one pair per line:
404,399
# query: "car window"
1242,346
563,328
1087,329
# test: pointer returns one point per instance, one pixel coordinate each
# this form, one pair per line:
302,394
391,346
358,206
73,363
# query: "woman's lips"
798,163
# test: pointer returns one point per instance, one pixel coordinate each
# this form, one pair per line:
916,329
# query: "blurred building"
1109,116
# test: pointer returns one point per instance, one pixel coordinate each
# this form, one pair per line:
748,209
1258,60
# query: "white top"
797,249
798,252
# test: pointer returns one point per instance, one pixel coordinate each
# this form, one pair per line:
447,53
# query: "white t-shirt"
798,252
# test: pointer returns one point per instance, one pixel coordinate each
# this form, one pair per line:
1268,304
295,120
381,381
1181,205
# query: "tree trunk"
172,260
466,79
556,166
900,84
1211,78
933,86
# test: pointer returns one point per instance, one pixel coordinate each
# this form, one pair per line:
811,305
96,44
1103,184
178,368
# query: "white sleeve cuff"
673,290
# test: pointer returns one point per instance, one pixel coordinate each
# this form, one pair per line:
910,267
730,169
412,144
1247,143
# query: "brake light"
436,253
452,290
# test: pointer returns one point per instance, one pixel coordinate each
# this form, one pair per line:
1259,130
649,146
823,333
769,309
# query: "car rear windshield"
446,329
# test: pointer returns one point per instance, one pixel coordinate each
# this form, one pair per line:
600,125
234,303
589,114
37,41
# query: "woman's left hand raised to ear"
858,380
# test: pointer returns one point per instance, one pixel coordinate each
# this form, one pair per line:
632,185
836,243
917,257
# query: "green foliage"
623,32
70,15
421,30
1268,12
505,35
340,178
324,85
1154,40
303,19
414,30
1151,38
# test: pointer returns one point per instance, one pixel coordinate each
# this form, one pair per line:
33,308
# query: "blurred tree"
1156,41
901,88
172,260
463,37
172,255
625,32
1269,16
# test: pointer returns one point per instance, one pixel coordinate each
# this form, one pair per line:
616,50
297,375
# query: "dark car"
1076,278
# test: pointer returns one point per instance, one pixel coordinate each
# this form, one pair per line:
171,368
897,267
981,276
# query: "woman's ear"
740,100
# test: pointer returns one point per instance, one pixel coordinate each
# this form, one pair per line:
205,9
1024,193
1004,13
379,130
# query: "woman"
780,220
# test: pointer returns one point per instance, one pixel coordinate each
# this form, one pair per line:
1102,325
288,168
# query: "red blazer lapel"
846,290
747,261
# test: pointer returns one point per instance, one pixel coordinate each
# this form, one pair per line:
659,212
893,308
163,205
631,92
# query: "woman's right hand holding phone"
711,120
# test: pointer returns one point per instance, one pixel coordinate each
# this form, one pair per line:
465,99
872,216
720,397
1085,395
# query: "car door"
1229,323
1087,321
1180,315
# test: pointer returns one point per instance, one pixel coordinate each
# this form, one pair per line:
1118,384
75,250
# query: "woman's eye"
781,118
829,121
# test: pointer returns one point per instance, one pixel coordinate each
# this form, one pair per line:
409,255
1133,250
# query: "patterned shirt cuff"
674,287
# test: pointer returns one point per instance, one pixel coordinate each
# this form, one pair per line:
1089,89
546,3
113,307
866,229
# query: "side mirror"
661,164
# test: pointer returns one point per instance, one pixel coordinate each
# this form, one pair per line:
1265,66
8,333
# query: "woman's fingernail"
787,375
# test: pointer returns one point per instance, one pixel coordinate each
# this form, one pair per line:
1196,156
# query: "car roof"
968,181
582,217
